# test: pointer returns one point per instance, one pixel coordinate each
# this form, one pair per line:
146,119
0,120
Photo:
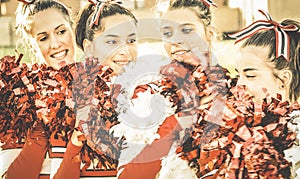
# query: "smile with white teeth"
121,63
180,52
60,55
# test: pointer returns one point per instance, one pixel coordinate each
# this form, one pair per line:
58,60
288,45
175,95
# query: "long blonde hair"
24,20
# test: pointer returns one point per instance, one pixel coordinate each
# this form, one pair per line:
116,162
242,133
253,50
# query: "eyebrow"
246,70
111,35
46,32
182,25
132,34
166,27
59,26
187,24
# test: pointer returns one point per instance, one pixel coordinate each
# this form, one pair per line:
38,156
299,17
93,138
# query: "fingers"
185,121
201,56
82,114
75,138
204,55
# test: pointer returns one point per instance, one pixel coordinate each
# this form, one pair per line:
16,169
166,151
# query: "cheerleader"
45,29
106,32
193,80
268,65
251,133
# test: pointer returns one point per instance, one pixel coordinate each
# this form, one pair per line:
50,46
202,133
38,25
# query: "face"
54,37
116,45
257,74
183,32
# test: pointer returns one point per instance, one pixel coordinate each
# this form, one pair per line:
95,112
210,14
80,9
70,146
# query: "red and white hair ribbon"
209,3
27,1
100,4
282,38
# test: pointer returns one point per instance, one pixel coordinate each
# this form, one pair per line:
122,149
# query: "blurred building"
230,16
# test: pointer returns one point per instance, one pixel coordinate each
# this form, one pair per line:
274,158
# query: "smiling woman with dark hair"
106,32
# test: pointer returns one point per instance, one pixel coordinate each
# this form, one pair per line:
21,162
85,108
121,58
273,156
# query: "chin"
69,60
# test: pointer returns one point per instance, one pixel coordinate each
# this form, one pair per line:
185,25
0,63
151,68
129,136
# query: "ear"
286,77
88,47
210,33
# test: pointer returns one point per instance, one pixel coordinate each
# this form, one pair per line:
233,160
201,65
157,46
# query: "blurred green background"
12,52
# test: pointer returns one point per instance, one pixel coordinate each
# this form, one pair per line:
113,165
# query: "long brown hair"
267,38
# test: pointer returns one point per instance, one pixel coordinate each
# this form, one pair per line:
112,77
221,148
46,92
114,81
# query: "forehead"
48,20
181,16
118,24
253,56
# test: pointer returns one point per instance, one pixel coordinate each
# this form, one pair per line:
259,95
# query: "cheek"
192,39
250,85
200,42
101,51
202,34
43,48
260,89
253,88
109,62
274,88
133,50
71,40
167,47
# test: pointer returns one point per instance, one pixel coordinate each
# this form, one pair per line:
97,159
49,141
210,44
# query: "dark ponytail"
267,38
202,10
82,30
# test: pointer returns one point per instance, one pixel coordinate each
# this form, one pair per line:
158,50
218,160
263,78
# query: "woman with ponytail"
45,29
106,32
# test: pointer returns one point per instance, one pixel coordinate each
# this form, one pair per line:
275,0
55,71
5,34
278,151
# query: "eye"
43,38
186,30
250,76
111,42
131,41
61,32
167,33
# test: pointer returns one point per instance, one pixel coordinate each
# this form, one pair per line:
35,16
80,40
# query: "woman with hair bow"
268,65
256,126
53,47
193,77
106,32
118,48
259,116
253,136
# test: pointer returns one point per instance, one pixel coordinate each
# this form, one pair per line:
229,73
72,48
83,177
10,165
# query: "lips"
121,62
60,55
180,52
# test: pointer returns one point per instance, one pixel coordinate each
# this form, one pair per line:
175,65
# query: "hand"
186,121
76,138
81,115
200,57
38,131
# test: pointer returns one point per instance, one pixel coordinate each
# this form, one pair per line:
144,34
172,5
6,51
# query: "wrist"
74,139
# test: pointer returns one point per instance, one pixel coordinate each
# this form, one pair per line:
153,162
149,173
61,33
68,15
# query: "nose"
54,42
241,81
124,50
177,39
174,38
